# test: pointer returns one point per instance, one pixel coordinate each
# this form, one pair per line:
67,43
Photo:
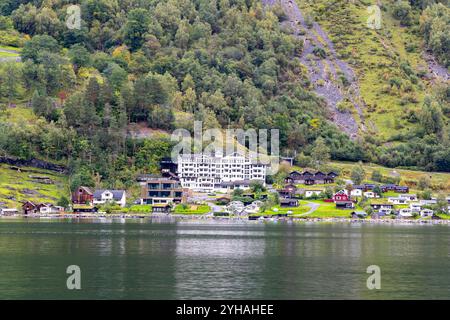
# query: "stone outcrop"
41,164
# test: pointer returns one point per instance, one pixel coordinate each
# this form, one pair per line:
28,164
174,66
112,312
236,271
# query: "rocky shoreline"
210,218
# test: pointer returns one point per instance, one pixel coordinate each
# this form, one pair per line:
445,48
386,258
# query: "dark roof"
86,189
236,183
29,202
167,160
343,202
307,175
148,177
117,194
288,200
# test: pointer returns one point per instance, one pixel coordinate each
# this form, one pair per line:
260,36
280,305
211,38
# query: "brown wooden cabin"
289,203
83,195
29,207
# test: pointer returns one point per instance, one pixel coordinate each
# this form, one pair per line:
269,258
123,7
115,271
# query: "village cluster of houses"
83,200
217,173
310,178
347,198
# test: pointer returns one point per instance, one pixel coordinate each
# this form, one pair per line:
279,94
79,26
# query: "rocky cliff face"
33,163
326,73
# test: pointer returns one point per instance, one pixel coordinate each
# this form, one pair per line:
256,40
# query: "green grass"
19,114
439,181
192,209
295,211
4,54
141,208
4,47
328,210
14,186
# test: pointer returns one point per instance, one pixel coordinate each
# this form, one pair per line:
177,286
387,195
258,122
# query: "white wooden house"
110,196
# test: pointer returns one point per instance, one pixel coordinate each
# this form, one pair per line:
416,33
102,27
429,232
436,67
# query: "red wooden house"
83,195
341,196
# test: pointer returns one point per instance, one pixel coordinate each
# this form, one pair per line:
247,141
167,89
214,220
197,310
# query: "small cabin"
289,203
161,208
29,208
359,214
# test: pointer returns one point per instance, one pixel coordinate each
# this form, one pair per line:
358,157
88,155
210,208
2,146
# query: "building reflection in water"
219,261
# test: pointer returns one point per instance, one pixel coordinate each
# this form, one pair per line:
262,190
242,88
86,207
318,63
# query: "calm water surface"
144,259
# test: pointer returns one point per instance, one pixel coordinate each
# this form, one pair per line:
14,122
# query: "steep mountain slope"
332,78
92,98
393,75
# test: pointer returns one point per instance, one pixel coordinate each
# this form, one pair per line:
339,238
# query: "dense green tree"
377,176
136,27
320,152
402,11
39,45
10,76
358,174
435,26
43,106
79,56
431,117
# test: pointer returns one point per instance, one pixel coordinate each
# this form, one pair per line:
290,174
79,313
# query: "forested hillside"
76,96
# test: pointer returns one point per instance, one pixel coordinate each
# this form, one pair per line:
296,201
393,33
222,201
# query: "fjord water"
145,259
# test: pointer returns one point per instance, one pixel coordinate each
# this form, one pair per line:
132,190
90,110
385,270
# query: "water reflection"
147,259
213,263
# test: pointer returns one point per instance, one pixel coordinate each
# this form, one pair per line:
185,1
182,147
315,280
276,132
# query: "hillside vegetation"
231,64
18,185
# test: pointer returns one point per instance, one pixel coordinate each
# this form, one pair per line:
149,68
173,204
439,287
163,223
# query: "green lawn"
328,210
192,209
144,208
295,211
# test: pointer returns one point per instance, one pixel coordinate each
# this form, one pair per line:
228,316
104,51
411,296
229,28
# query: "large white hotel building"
205,173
